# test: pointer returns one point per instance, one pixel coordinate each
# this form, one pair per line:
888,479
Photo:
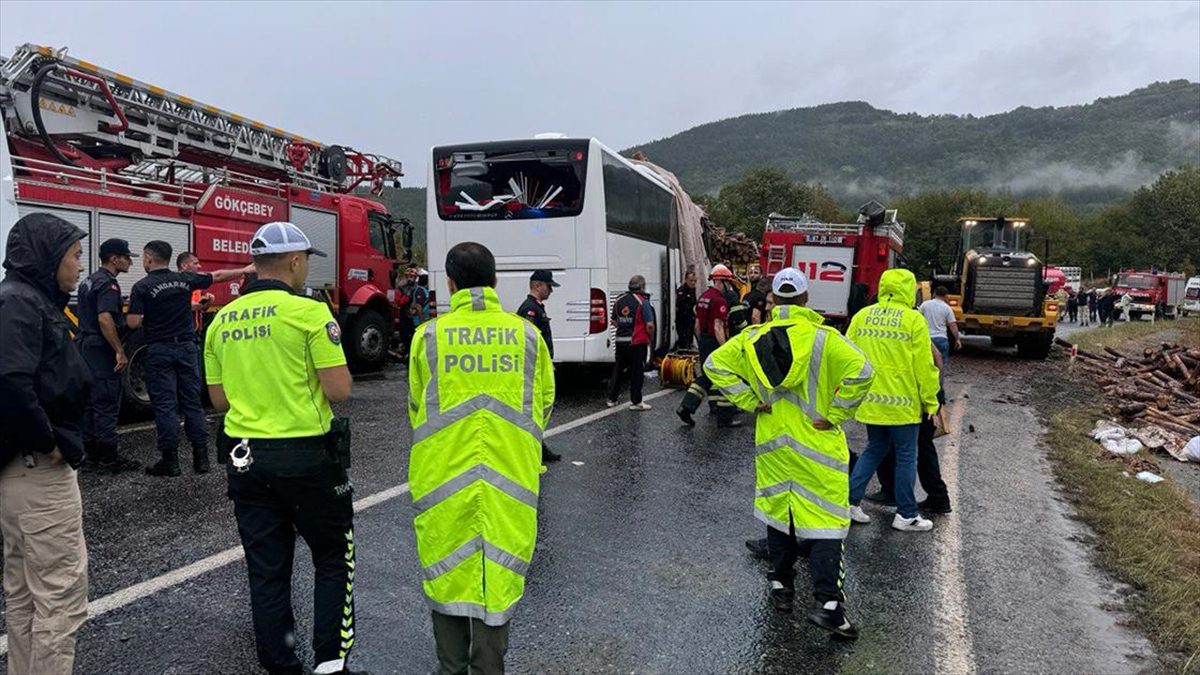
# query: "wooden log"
1131,408
1115,353
1187,374
1167,418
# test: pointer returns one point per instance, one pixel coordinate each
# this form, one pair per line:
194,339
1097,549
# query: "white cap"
789,283
281,237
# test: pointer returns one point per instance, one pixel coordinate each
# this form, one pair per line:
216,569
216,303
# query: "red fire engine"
122,158
1154,293
843,261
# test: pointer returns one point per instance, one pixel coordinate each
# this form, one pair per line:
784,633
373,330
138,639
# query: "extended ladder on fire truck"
817,231
93,118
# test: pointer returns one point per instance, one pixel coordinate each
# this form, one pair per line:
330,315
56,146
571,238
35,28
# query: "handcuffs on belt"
240,456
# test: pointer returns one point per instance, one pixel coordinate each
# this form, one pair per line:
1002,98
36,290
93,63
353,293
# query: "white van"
1191,297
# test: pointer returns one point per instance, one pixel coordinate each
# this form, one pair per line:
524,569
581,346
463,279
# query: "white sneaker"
858,515
917,524
639,406
611,404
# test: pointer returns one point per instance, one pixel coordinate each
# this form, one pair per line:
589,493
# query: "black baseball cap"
115,247
546,276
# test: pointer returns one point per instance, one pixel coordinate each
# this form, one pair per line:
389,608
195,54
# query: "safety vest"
481,389
806,372
895,337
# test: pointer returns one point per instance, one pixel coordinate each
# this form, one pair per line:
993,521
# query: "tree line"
1157,225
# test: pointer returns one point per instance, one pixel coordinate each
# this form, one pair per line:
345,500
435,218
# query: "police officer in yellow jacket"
804,380
274,360
895,337
481,389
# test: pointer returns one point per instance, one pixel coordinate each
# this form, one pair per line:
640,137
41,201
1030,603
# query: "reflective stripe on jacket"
481,389
806,372
895,337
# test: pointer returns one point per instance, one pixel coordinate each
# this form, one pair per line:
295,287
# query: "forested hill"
1090,154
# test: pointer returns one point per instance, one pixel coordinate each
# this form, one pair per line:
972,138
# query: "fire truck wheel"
367,343
135,396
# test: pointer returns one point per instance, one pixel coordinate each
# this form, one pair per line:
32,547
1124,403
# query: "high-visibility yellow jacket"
805,372
895,337
481,389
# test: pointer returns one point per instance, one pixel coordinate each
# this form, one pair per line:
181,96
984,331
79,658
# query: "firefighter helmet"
720,272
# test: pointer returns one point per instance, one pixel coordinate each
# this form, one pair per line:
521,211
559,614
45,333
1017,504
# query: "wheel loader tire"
1003,341
1035,345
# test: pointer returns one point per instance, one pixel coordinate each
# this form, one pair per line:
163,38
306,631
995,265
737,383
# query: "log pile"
1159,387
732,247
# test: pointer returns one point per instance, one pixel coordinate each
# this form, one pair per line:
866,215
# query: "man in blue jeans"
161,304
895,339
942,325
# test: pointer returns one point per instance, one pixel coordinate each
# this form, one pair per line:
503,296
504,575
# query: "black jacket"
43,380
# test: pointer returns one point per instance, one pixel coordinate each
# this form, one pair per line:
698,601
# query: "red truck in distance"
1154,293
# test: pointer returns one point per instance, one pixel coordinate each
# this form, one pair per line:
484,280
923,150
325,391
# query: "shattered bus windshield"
505,181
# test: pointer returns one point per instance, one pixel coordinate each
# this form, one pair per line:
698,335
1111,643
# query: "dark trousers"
701,387
630,363
173,378
104,404
285,492
687,336
929,470
407,330
469,646
824,563
1072,313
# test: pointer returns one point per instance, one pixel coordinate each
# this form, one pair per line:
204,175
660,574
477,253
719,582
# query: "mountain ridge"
1091,152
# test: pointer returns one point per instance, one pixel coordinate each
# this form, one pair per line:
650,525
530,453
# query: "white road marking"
953,651
144,589
573,424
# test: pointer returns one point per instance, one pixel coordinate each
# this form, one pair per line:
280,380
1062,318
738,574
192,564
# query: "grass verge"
1148,534
1096,339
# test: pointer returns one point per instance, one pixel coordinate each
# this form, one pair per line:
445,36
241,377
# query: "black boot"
548,455
118,464
164,468
934,505
686,416
758,548
833,620
200,460
782,597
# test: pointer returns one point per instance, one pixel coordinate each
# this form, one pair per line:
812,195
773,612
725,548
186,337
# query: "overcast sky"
398,78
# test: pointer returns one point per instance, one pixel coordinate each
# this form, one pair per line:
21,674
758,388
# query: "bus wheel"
135,395
367,343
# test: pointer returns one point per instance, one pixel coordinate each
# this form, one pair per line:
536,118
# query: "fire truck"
843,261
1156,294
122,158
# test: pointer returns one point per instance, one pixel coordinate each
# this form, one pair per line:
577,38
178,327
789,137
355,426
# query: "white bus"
572,206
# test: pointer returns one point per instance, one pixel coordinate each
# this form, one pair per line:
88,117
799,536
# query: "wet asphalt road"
640,565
